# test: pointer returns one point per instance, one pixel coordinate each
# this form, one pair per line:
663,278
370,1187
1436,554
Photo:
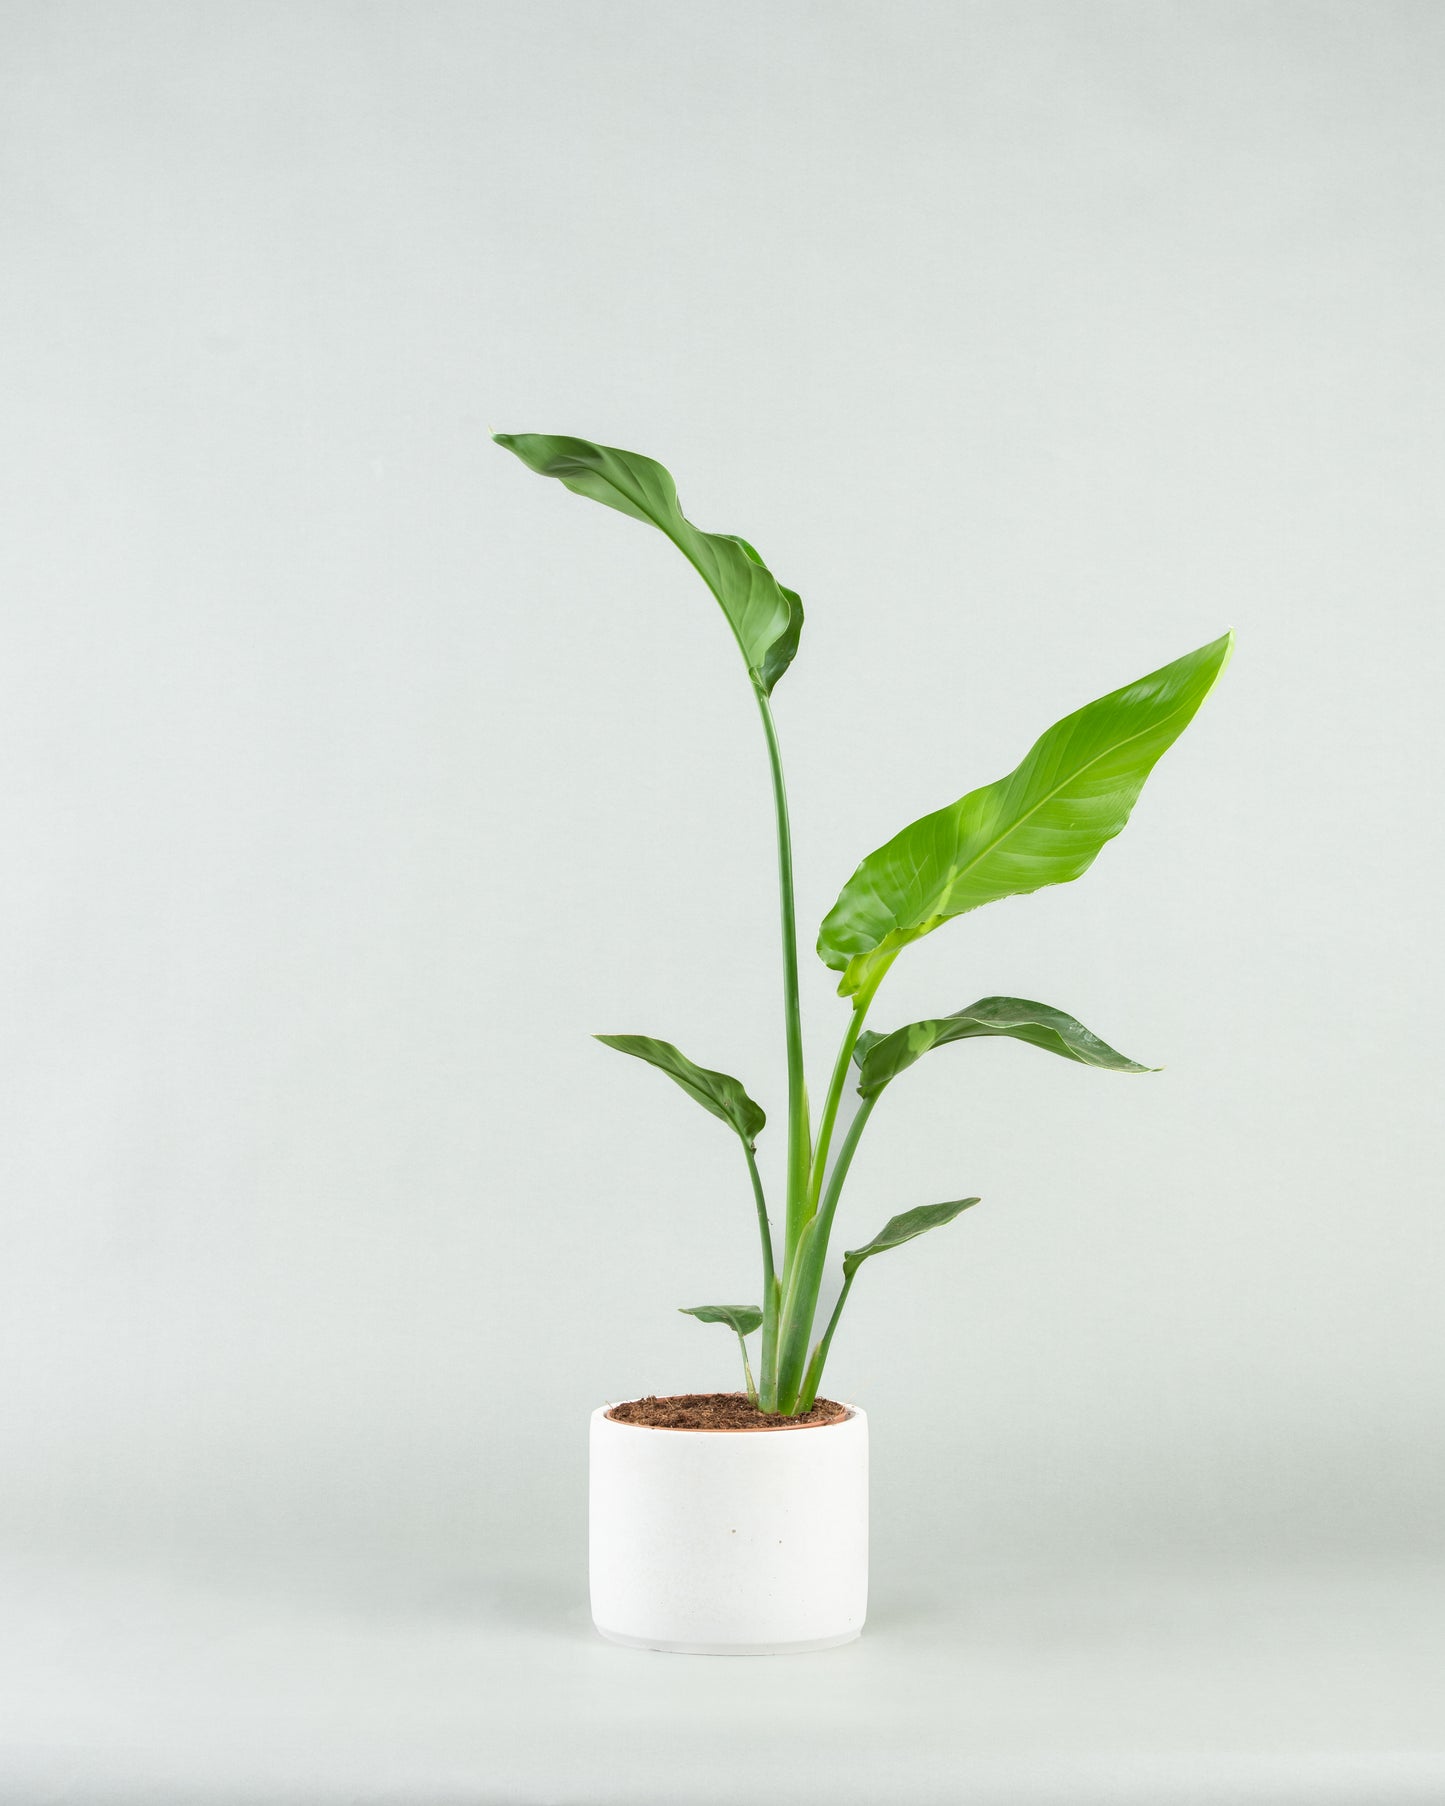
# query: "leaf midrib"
962,871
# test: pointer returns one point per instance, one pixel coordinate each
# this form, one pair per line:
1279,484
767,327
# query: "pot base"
729,1649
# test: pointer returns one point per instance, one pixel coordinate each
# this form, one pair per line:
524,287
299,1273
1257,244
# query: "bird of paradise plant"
1044,823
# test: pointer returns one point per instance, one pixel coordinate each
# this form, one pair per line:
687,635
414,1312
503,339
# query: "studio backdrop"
354,778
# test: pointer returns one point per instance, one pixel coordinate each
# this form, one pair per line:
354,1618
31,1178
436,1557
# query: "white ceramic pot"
729,1542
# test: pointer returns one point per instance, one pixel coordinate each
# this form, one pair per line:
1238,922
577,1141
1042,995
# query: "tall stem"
799,1130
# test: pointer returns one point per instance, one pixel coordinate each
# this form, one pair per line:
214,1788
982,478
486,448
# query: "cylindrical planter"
729,1542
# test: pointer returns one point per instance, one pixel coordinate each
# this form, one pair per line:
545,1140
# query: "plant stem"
833,1099
799,1129
806,1276
814,1376
804,1271
772,1316
770,1283
861,1005
748,1373
800,1150
828,1209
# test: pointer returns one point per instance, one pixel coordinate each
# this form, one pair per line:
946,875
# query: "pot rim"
854,1414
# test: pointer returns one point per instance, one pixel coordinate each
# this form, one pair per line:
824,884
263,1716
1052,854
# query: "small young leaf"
1044,823
715,1091
766,619
880,1058
742,1318
898,1230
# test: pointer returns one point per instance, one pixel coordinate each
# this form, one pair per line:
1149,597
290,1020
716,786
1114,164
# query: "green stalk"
835,1085
830,1104
748,1372
803,1273
814,1376
772,1317
799,1131
770,1283
800,1149
834,1098
806,1276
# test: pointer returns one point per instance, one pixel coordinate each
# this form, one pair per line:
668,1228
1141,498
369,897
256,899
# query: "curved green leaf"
1043,824
715,1091
782,651
743,1318
898,1230
880,1058
766,619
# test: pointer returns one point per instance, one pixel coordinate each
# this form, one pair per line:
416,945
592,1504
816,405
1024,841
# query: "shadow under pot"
729,1542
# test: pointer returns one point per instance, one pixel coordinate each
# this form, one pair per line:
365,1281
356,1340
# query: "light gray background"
354,775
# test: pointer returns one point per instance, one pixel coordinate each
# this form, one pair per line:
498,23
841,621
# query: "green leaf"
1043,824
744,1318
898,1230
766,619
781,652
715,1091
880,1058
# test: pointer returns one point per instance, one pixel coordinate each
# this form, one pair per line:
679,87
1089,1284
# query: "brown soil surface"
719,1411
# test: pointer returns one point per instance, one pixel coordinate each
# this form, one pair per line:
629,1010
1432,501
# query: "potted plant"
737,1523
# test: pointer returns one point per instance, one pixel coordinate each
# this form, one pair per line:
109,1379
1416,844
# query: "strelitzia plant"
1044,823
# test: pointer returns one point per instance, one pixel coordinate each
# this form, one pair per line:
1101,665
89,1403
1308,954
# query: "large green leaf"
880,1058
744,1318
715,1091
898,1230
766,619
1043,824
